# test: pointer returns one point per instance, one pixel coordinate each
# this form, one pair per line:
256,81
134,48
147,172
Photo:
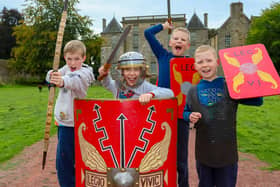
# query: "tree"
8,19
212,33
37,36
266,30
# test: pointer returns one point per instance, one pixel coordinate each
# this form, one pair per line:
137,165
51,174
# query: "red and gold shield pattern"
182,76
124,134
249,72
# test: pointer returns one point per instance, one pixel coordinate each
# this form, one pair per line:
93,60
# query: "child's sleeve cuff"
152,94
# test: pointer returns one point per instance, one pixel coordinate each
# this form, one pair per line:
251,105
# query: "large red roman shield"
122,140
182,76
249,72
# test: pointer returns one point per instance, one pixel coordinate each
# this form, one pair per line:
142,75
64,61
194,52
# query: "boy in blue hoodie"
179,42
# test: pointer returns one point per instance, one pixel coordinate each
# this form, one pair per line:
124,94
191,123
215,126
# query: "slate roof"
195,23
113,27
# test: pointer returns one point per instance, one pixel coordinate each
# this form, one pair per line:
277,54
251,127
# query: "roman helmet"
133,59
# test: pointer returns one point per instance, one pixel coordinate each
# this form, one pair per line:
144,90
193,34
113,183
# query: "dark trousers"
65,157
218,177
182,153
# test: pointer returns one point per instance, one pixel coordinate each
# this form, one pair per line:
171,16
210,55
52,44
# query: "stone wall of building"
198,37
232,33
136,40
235,29
109,42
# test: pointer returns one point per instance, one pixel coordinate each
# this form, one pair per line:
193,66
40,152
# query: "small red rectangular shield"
249,72
122,140
182,76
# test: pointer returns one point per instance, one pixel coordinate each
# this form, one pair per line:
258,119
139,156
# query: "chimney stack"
206,19
236,9
103,24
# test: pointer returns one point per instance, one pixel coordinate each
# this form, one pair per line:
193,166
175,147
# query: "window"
135,29
227,40
193,38
153,67
135,40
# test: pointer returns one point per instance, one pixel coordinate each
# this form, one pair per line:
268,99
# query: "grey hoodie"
144,87
75,86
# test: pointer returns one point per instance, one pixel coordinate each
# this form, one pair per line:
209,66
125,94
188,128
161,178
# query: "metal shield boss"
182,77
121,143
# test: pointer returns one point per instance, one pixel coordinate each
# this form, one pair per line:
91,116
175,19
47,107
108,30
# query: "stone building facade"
110,35
135,40
232,33
199,32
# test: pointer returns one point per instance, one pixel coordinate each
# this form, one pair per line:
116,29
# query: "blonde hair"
182,29
204,48
74,46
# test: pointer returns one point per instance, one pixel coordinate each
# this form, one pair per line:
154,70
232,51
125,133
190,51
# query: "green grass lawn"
23,115
259,129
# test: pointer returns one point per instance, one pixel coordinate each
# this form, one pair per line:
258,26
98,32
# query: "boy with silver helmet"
133,60
132,83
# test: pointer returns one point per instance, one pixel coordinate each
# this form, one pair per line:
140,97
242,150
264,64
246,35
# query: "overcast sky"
218,10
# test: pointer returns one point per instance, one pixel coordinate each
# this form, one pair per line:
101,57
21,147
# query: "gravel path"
25,170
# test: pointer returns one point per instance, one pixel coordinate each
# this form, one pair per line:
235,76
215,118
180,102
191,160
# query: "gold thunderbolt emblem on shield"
249,68
179,79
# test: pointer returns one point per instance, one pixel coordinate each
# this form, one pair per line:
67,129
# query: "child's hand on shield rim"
145,98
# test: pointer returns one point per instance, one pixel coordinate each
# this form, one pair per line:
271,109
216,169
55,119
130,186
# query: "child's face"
131,75
206,65
74,60
179,43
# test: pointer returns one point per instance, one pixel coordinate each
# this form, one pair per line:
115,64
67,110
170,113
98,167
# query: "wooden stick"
52,88
107,65
169,15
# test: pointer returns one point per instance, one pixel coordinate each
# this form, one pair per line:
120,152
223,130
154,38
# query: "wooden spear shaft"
169,15
56,60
